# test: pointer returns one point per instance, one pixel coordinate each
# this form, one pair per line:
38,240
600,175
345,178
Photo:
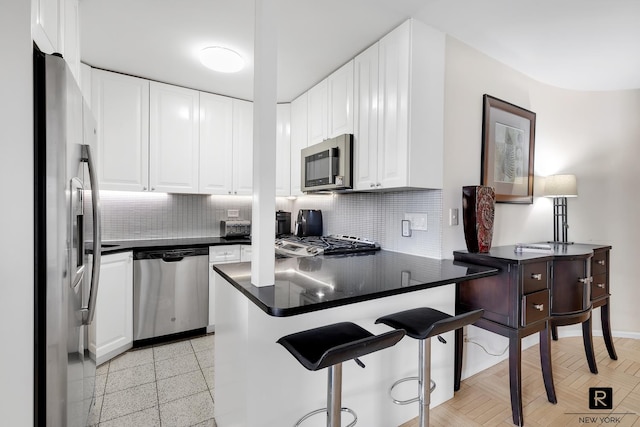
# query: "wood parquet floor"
484,400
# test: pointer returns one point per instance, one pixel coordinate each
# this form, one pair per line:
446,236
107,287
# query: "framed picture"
508,139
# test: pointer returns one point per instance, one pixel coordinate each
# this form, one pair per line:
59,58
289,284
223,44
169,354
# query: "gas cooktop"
333,244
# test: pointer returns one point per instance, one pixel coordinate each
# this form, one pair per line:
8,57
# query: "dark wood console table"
537,292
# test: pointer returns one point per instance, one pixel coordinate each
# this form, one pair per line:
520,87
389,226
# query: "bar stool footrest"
324,411
408,401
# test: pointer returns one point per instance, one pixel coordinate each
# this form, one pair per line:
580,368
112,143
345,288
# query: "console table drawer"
535,307
534,277
599,263
599,286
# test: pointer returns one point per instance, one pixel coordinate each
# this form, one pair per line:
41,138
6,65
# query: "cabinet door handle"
586,280
537,276
539,307
600,285
601,262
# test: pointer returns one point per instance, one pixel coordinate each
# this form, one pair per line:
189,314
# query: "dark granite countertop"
114,246
508,253
307,284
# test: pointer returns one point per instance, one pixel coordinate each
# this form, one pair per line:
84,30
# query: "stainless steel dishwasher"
170,292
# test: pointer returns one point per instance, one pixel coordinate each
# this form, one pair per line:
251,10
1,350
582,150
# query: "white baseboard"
570,332
477,359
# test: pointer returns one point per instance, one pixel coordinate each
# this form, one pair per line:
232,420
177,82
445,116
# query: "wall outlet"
233,213
418,221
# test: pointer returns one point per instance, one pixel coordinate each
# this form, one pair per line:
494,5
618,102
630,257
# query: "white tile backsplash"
377,216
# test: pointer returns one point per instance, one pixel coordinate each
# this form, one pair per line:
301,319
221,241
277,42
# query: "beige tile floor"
169,385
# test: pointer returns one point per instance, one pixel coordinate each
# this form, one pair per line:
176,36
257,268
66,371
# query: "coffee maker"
309,223
283,223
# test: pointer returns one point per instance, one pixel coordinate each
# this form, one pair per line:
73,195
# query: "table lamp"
559,187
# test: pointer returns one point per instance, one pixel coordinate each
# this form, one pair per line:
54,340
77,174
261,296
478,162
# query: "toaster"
235,228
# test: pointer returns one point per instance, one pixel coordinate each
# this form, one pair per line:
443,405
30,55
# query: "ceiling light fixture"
221,59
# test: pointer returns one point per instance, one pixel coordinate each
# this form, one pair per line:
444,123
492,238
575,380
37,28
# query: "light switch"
453,216
406,228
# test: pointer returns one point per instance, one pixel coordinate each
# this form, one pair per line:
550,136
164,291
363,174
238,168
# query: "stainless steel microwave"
327,166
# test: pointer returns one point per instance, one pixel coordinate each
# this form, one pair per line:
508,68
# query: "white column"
264,143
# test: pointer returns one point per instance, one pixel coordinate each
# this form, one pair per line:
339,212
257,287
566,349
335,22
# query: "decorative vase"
478,209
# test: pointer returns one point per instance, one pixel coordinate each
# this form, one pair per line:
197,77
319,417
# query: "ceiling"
573,44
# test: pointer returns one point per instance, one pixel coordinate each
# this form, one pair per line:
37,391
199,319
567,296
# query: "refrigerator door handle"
79,277
89,312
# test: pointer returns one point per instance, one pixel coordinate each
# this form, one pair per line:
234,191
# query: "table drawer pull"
602,262
600,285
537,276
539,307
586,280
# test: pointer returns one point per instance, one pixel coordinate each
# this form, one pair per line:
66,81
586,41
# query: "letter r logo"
600,398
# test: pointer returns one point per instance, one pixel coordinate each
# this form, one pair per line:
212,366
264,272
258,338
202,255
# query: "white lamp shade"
221,59
561,186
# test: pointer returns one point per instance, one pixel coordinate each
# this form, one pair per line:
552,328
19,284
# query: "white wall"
16,217
594,135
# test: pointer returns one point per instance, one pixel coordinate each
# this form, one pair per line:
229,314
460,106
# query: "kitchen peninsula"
257,383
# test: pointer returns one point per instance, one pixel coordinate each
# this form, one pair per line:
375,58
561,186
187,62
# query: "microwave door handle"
89,313
331,157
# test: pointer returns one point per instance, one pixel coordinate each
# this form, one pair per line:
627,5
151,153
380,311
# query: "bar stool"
329,346
423,323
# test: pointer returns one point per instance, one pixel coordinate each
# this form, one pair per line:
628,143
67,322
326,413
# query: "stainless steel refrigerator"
67,246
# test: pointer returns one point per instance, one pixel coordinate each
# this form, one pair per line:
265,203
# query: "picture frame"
508,145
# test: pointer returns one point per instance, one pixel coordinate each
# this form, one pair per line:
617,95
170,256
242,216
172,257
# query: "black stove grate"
333,246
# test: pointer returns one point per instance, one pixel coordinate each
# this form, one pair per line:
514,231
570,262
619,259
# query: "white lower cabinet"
113,324
246,253
222,254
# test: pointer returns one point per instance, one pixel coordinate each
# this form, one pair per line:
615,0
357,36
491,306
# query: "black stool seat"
424,322
329,345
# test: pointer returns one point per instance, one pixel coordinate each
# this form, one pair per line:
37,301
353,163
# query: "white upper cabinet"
242,147
85,82
317,113
365,134
216,144
298,140
410,111
120,105
173,138
46,16
330,106
71,37
340,101
283,150
55,28
226,145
